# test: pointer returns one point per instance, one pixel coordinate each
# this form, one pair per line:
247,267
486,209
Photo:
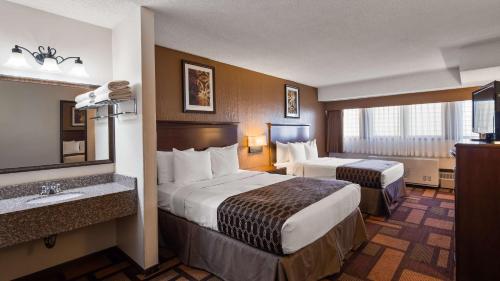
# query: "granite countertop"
21,203
104,197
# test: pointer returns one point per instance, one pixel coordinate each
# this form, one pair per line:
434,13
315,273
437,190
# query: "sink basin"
54,198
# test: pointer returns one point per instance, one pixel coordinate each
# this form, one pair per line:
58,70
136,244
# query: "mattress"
325,167
198,203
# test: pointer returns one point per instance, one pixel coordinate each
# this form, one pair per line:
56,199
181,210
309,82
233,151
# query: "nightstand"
269,169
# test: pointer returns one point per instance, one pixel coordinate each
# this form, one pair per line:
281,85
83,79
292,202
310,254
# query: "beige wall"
26,258
32,28
133,60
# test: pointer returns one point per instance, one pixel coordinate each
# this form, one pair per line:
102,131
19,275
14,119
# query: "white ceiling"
318,43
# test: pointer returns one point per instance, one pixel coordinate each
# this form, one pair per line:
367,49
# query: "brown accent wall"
405,99
244,96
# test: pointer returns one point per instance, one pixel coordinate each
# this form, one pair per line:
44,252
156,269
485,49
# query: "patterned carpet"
414,244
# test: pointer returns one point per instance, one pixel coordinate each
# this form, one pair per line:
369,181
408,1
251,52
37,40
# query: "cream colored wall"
31,27
149,138
70,37
26,258
133,60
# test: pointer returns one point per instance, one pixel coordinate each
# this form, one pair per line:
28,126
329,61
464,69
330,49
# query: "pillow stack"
224,160
165,160
296,152
73,147
191,166
188,166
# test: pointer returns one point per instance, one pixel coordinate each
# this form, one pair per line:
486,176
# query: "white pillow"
81,146
311,149
224,160
71,147
282,154
165,163
297,152
191,166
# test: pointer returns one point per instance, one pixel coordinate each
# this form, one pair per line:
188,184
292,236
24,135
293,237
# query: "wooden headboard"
286,133
198,135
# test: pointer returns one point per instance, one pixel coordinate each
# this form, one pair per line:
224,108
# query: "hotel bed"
382,183
199,202
247,226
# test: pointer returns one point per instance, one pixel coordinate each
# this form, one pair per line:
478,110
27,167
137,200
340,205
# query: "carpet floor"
415,244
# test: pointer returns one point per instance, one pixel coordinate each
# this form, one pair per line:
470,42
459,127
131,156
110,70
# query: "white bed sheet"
198,203
325,167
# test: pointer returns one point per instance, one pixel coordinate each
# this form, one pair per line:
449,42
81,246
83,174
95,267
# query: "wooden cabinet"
477,211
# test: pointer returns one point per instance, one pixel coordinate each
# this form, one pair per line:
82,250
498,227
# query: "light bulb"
50,65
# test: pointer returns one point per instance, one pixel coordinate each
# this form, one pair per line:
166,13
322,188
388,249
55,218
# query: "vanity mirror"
40,128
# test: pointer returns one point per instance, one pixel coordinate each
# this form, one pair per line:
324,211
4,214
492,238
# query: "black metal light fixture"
47,58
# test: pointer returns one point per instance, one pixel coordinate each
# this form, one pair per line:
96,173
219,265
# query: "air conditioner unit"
421,171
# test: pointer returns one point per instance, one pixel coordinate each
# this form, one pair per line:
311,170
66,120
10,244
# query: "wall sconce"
47,59
255,143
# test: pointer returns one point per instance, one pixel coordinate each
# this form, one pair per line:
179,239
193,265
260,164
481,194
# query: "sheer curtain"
420,130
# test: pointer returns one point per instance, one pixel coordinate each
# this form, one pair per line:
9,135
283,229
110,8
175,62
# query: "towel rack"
115,104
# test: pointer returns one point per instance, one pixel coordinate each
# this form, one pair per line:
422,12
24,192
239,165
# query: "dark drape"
334,132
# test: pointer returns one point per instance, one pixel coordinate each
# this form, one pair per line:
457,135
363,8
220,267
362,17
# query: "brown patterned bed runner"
367,173
257,216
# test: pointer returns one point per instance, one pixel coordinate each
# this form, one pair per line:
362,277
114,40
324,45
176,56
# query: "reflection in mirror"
39,125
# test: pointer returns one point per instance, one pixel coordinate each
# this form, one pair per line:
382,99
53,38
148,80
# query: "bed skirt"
231,259
382,201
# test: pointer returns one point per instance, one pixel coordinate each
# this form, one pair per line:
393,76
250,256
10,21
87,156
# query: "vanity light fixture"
17,60
256,143
47,58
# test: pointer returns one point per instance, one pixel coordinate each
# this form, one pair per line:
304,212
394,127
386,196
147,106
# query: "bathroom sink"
54,198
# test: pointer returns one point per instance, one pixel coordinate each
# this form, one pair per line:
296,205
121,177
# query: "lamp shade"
17,60
50,65
79,70
257,140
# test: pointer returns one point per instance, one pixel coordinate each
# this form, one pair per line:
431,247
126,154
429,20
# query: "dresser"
477,211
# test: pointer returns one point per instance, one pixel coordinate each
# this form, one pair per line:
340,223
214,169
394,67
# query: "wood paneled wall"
405,99
248,97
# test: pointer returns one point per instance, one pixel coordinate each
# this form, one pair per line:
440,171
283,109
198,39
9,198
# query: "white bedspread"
325,167
198,203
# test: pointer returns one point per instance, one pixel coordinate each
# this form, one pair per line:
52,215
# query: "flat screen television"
485,111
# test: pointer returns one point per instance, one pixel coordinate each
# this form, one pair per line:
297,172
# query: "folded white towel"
85,103
86,96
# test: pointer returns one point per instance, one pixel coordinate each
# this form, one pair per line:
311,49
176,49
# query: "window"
425,119
420,130
385,121
351,118
467,120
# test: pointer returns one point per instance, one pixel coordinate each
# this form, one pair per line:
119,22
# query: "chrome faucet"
51,189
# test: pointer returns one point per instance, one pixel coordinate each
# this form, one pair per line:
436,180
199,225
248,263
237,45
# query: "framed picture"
78,117
198,87
292,102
